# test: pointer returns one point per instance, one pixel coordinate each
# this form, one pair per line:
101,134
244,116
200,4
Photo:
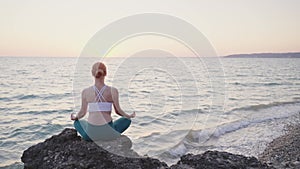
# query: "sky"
63,27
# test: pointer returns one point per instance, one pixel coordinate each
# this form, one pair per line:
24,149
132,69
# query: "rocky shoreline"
67,150
284,151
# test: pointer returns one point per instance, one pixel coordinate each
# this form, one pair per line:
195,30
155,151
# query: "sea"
182,104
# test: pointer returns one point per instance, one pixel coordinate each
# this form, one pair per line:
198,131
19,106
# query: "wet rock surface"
68,150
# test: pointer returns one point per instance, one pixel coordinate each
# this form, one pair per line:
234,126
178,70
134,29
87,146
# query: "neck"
99,82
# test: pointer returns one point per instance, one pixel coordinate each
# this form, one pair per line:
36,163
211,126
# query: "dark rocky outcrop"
67,150
220,160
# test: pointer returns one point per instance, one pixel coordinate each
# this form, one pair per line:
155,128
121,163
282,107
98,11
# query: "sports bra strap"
100,93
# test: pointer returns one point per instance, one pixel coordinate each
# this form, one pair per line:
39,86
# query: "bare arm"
83,108
119,111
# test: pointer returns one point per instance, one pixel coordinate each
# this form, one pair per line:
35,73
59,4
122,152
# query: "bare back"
98,118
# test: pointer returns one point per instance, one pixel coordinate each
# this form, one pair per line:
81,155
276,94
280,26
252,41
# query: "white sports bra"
100,104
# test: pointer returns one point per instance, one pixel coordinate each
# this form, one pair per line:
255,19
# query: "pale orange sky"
62,28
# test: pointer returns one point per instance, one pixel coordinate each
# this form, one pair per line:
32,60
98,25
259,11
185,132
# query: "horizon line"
153,56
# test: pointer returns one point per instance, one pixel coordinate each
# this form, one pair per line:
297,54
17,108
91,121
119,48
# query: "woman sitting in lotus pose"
98,101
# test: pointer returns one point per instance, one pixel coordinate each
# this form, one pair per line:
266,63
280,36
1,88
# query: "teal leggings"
109,131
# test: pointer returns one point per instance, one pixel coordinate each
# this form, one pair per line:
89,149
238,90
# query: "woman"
98,100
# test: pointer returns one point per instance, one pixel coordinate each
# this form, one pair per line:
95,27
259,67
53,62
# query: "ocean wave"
56,96
273,84
201,137
23,97
260,84
14,165
5,99
238,84
35,96
31,96
62,111
263,106
274,113
178,150
28,134
38,112
162,142
296,99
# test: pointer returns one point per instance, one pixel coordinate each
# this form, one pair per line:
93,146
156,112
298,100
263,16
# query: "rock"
221,160
68,151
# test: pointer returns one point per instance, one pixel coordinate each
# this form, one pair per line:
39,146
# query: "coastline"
61,151
284,151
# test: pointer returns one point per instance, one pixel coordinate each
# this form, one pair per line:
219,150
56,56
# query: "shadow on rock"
121,146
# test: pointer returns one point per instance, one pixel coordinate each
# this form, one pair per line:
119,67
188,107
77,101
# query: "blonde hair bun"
99,73
98,70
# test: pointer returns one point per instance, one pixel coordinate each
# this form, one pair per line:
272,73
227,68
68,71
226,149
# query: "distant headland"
266,55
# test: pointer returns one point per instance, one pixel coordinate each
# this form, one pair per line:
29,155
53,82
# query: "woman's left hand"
132,115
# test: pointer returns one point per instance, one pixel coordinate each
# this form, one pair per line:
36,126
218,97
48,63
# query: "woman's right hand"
73,116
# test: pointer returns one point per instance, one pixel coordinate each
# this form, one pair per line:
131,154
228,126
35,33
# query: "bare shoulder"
87,91
113,90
